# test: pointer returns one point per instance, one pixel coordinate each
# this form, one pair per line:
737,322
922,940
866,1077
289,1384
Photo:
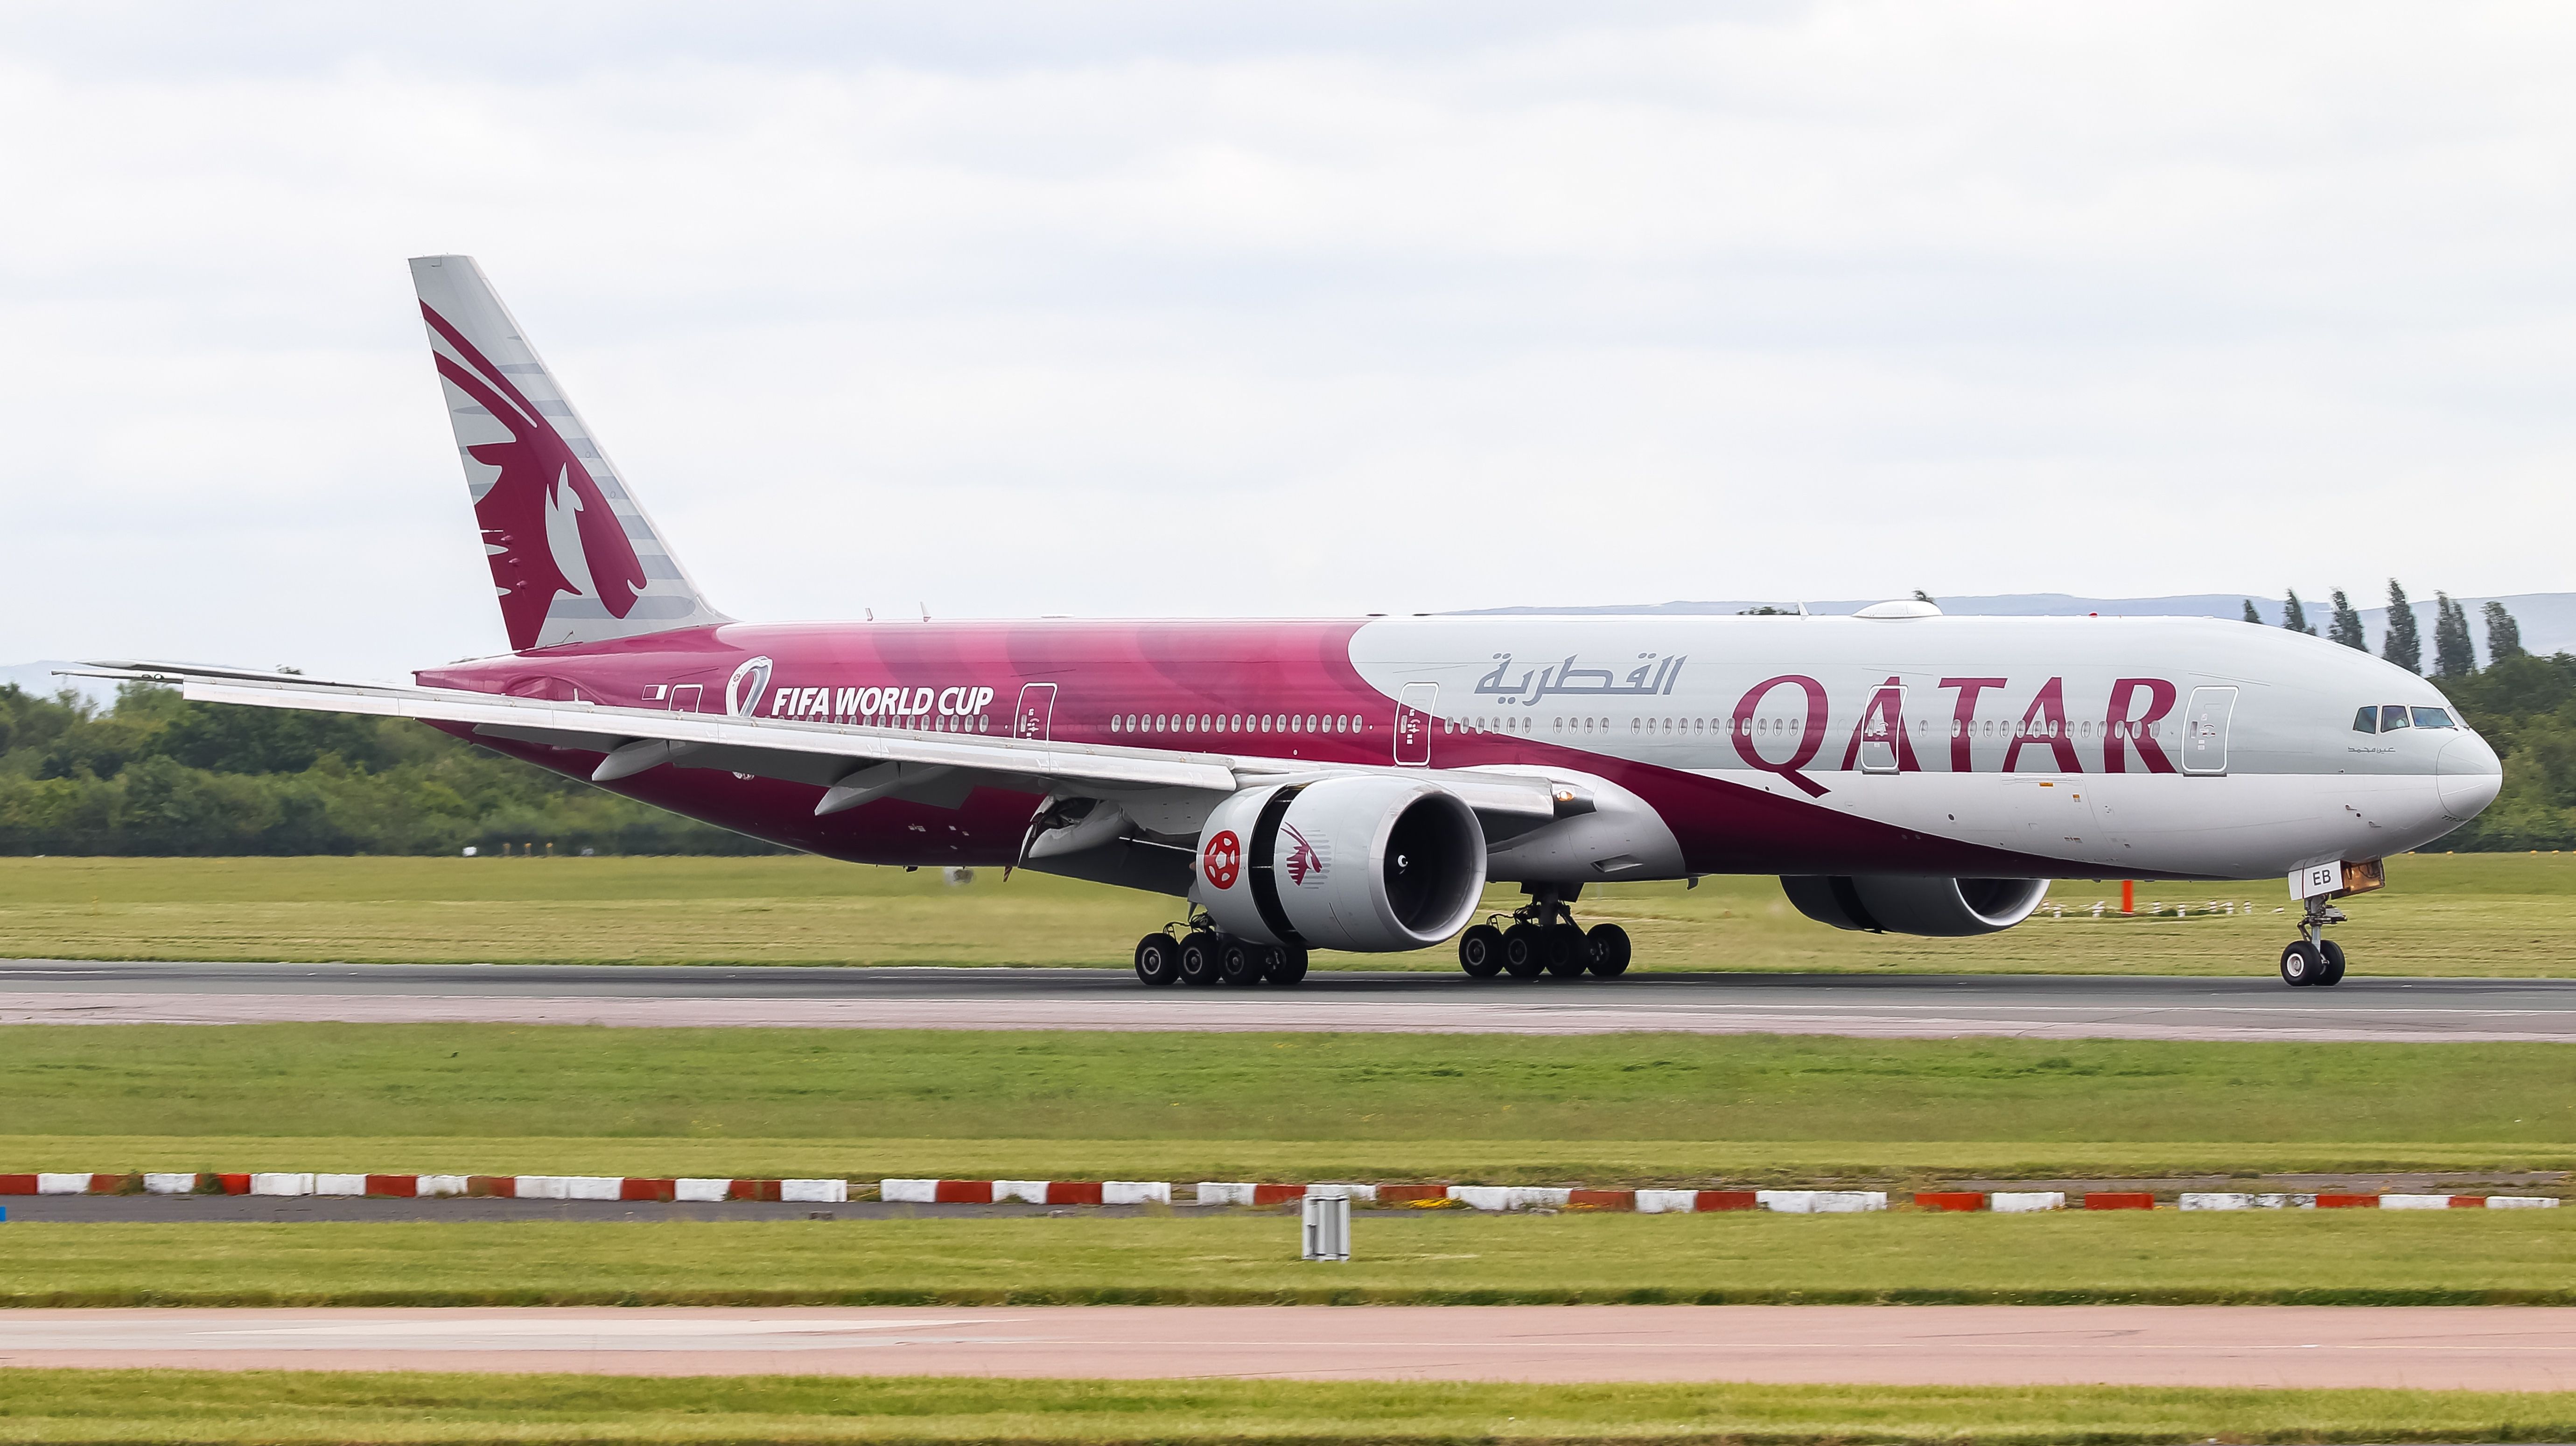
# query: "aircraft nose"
2468,775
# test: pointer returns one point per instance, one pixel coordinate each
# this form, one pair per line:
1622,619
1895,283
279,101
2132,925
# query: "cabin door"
1035,714
1413,712
2204,730
1878,730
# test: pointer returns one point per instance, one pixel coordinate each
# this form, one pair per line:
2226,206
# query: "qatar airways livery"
1355,784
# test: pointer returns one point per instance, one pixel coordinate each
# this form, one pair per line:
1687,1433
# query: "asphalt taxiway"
2496,1348
2255,1007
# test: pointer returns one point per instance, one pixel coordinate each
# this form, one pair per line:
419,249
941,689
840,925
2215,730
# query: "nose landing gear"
1544,939
2313,958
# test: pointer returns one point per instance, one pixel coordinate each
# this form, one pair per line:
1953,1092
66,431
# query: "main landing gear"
1544,939
2313,958
1200,956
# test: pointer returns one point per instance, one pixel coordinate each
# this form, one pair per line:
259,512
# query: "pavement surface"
2492,1348
470,1209
2257,1007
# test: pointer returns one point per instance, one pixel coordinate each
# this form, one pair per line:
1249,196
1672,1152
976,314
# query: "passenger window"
2366,721
2432,718
2392,717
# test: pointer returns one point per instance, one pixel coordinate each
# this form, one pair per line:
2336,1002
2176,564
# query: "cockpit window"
2392,717
2366,721
2432,718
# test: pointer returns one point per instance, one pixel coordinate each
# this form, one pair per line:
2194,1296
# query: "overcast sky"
1271,309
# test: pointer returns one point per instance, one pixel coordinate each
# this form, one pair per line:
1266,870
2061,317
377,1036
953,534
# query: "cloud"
1160,309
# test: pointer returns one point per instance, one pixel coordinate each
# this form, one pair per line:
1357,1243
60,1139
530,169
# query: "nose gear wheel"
2313,960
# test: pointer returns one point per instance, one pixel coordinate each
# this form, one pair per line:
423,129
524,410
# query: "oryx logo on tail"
547,527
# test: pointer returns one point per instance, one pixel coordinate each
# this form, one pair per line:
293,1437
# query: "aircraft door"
1414,709
1035,714
1878,731
685,696
2204,730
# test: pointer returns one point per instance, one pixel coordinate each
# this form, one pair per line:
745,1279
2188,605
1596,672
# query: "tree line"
2455,649
154,774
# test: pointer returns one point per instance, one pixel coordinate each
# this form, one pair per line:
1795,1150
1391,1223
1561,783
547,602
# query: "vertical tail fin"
574,558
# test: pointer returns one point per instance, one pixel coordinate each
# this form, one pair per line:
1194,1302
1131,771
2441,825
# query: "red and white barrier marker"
1030,1192
1498,1198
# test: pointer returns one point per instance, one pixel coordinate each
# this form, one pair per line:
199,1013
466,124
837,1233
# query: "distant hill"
2548,619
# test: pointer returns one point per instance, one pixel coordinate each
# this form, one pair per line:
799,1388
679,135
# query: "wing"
1154,792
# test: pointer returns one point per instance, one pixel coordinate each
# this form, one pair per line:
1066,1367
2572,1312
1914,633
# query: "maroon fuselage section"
1192,687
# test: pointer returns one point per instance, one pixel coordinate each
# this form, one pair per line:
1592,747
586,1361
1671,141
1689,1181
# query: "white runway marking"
2033,1006
2469,1348
985,1012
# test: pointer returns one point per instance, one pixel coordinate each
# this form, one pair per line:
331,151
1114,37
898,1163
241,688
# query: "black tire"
1606,945
1524,951
2334,962
1284,966
1158,960
2301,964
1241,965
1198,959
1480,951
1566,956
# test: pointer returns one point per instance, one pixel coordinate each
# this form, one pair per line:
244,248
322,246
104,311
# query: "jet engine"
1369,864
1939,908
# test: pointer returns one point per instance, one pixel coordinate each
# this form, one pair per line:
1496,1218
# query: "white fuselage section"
2107,746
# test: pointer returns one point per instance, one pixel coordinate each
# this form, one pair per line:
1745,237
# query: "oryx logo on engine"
1304,860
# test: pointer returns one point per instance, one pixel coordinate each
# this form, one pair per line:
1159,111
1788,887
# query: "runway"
2490,1348
2257,1007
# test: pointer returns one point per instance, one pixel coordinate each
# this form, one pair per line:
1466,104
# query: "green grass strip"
2482,915
1601,1162
305,1080
296,1407
1413,1258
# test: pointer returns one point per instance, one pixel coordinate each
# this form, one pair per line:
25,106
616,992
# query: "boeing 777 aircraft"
1354,784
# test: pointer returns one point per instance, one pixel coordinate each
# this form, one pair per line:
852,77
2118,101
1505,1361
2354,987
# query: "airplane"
1355,784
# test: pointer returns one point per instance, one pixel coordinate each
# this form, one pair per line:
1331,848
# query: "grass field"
1598,1109
1400,1257
265,1406
2507,915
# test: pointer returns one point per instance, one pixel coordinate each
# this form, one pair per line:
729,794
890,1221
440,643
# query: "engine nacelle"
1904,904
1368,864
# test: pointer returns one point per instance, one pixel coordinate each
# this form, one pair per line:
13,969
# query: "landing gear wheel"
1240,964
1607,947
1198,967
1284,966
2334,962
2302,964
1566,956
1158,960
1480,951
1524,953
